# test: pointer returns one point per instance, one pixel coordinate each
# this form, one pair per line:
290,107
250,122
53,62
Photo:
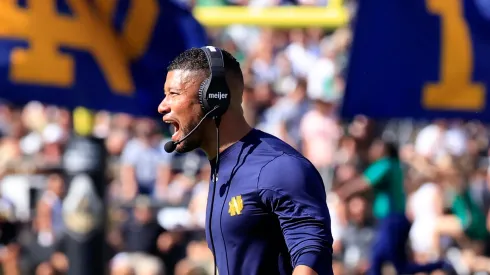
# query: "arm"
372,177
349,188
298,199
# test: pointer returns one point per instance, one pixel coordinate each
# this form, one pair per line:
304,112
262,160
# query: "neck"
230,132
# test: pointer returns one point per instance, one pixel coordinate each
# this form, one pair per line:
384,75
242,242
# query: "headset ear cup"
202,94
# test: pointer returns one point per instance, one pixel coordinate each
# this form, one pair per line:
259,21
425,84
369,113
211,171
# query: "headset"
214,97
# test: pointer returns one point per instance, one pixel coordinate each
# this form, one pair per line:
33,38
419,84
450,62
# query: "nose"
163,107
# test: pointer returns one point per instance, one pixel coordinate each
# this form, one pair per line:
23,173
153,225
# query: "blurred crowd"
294,84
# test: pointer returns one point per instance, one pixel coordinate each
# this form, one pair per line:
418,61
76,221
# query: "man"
140,238
269,214
145,169
385,177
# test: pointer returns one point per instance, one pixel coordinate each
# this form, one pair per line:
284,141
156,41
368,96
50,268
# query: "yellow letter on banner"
455,90
46,31
138,26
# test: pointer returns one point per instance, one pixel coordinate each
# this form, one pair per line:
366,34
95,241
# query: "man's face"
181,107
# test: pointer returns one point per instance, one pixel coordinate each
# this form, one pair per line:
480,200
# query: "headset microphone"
172,145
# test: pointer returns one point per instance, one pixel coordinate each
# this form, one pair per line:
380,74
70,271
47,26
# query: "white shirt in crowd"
422,204
433,141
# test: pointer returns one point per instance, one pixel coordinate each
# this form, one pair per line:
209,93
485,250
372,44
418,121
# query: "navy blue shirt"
270,213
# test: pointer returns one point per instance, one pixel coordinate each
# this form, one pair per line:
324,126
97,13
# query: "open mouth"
175,129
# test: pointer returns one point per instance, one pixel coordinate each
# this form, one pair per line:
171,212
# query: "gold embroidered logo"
235,206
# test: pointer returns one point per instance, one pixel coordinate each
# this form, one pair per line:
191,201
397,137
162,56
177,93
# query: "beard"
194,141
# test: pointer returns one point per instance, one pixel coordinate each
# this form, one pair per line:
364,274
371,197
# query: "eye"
170,94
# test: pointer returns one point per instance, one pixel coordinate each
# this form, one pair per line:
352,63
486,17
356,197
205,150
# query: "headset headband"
214,92
215,59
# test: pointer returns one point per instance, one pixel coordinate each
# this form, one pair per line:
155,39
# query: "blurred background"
295,74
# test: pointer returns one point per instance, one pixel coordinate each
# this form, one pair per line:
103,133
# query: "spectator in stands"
320,132
321,74
424,206
301,55
115,142
347,152
357,237
145,168
49,209
141,240
284,118
439,139
385,177
53,138
179,190
467,224
39,244
198,257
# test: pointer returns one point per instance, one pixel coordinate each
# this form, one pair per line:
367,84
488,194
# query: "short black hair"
195,59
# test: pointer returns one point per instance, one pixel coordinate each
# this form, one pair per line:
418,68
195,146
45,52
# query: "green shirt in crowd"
472,218
386,179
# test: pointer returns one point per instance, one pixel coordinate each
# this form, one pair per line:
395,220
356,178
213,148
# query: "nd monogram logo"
235,206
89,29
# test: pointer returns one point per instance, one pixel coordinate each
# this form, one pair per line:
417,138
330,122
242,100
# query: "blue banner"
420,59
100,54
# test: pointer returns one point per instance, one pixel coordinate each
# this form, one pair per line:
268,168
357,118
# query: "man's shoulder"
276,145
278,162
294,161
293,179
289,171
